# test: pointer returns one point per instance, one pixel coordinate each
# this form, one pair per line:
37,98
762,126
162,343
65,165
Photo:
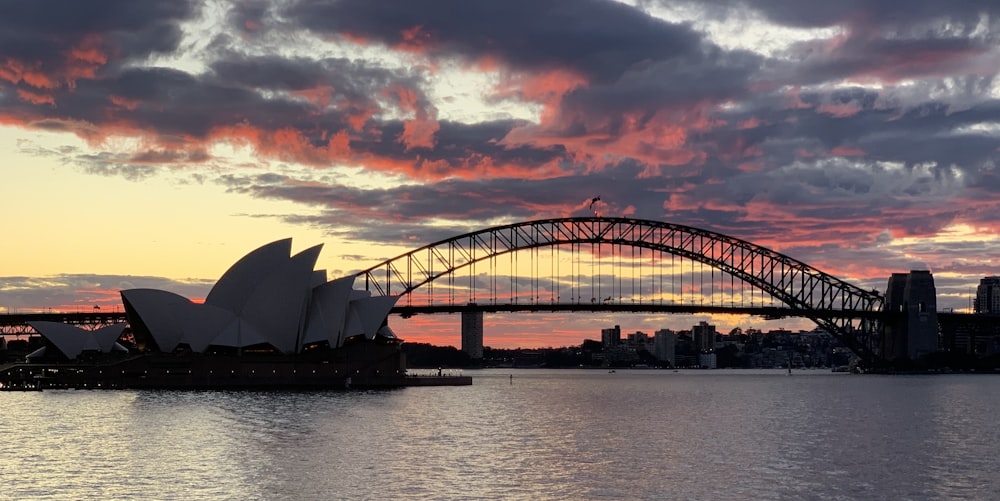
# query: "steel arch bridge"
609,255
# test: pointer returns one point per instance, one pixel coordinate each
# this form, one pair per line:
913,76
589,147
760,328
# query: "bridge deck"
769,312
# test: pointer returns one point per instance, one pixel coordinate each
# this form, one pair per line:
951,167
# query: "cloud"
598,39
876,122
54,45
81,292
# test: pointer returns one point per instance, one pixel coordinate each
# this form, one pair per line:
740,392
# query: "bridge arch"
848,312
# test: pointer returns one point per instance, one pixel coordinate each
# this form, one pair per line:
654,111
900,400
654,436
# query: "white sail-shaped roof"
200,324
239,334
277,304
107,336
318,278
371,312
266,297
328,312
236,285
386,331
161,313
354,326
72,340
37,353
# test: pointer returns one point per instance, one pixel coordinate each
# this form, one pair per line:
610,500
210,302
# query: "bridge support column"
472,334
913,332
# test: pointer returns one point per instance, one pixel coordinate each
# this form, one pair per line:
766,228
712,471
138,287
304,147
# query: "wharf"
21,387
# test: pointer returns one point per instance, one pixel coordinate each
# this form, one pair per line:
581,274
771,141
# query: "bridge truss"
622,264
17,324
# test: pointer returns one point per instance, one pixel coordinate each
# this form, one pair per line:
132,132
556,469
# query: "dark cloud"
863,12
42,35
350,82
398,215
710,76
69,292
599,39
835,145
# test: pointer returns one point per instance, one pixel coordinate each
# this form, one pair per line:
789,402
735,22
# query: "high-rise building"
611,337
704,336
988,295
637,338
664,345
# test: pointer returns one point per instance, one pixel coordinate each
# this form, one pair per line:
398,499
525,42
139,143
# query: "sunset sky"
152,144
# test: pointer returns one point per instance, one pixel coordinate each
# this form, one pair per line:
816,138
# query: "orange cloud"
15,71
839,110
751,166
846,151
123,102
795,101
320,96
39,80
546,88
339,145
35,98
419,133
354,38
654,141
88,51
940,62
80,61
414,40
359,118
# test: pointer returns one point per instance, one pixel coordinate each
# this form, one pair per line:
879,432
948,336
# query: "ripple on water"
549,435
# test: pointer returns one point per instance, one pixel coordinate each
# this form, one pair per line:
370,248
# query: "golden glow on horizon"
70,221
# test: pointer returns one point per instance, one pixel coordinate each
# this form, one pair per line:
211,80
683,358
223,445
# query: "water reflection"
544,434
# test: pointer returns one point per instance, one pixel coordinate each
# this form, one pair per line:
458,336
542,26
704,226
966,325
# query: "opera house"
272,320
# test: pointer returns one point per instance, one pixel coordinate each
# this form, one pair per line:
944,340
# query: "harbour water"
541,434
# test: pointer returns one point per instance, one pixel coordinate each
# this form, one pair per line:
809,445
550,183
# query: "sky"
152,144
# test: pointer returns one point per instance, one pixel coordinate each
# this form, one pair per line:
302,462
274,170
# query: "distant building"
664,346
988,295
704,336
611,337
708,361
637,338
638,341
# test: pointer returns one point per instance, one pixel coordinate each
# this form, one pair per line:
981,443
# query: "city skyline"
150,145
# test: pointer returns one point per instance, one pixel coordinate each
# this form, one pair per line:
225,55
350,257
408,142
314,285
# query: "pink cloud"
847,151
35,97
839,110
